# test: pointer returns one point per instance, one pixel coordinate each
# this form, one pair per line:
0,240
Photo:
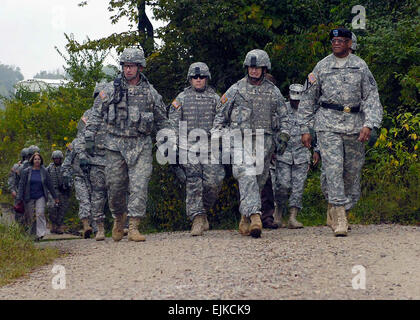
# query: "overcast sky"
31,28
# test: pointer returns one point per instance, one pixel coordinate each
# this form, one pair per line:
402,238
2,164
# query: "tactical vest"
198,109
259,100
56,176
133,115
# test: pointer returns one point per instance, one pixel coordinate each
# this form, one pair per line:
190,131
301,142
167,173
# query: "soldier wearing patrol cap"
341,103
292,166
253,103
132,109
196,106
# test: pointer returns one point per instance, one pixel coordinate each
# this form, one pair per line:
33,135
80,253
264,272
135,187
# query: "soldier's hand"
84,165
14,194
90,147
282,143
364,134
315,158
66,182
306,140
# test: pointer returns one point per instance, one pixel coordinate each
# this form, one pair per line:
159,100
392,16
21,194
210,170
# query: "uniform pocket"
146,122
134,114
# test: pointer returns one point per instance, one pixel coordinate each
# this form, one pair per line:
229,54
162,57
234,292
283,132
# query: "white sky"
30,30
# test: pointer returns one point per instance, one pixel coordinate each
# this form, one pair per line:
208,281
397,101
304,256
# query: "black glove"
66,182
282,143
373,137
84,165
90,147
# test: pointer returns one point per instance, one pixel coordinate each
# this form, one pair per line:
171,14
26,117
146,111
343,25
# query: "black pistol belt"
340,107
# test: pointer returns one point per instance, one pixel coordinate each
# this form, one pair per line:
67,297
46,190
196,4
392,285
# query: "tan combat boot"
197,228
244,226
118,228
293,223
124,223
100,235
341,228
133,230
87,230
206,223
278,216
256,225
347,216
331,218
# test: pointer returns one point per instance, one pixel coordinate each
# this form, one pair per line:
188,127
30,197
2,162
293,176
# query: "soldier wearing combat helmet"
342,105
253,103
131,109
196,106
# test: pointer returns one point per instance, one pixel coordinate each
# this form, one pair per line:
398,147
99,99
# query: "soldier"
197,106
343,101
13,180
131,108
77,170
97,169
58,211
253,103
292,166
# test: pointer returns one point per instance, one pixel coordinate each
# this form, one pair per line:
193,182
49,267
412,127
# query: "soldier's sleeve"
12,180
175,111
371,105
159,111
94,121
281,118
224,109
308,103
67,163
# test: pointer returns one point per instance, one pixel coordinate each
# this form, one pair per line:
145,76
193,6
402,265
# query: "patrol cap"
295,91
340,32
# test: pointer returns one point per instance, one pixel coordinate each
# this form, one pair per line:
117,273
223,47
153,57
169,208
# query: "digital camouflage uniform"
56,213
247,106
13,180
198,108
131,113
350,86
292,167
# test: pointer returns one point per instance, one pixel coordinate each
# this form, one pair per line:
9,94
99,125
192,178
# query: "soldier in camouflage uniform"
131,108
253,103
13,180
57,211
292,166
342,103
197,106
77,170
96,169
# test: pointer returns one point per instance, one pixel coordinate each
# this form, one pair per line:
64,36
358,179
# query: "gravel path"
284,264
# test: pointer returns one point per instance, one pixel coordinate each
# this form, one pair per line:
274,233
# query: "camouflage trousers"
99,192
202,187
83,194
56,214
128,172
251,184
343,157
290,179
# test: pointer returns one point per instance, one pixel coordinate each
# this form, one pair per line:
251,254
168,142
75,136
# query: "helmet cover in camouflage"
57,154
354,42
133,55
24,152
198,68
295,91
257,58
32,149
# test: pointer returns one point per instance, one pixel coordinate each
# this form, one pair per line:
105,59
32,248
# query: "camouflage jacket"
350,85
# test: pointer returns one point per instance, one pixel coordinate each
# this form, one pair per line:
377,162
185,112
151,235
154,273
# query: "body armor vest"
133,114
56,176
198,110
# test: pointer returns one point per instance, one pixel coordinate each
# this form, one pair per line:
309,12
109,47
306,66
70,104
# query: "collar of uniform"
351,62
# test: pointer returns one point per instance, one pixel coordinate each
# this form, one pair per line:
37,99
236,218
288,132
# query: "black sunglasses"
198,76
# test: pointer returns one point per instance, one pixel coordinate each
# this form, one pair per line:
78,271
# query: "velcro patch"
176,104
224,99
311,78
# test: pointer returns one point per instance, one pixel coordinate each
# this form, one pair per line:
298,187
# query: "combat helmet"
198,68
295,91
133,55
57,154
24,153
257,58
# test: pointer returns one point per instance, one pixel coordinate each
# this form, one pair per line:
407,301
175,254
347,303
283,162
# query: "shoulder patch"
311,78
102,94
372,81
176,104
224,99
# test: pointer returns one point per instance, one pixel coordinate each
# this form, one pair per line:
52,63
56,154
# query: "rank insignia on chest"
311,78
176,104
224,99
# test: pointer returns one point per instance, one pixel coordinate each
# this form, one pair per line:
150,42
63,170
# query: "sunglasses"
198,76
